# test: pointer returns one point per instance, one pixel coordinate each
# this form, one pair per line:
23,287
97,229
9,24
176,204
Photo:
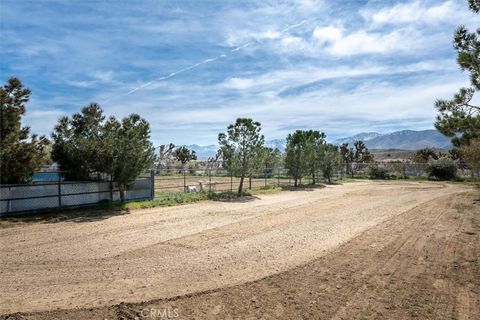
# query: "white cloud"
416,12
280,80
297,43
327,34
362,42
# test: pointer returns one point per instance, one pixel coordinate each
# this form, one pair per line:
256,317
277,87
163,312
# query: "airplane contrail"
193,66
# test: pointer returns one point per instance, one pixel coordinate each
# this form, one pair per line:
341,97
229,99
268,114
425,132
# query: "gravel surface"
166,252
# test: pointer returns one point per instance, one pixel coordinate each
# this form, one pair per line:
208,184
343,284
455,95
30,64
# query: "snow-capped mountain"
406,140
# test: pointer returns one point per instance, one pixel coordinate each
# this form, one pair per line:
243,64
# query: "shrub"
442,169
376,172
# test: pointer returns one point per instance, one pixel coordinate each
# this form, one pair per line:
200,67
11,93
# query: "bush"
442,169
376,172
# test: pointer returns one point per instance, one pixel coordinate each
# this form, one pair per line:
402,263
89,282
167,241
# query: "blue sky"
192,67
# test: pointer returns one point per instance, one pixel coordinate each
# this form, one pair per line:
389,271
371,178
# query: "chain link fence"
59,194
212,180
48,191
401,170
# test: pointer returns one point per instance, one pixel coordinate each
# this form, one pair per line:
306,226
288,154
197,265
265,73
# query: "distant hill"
405,140
364,136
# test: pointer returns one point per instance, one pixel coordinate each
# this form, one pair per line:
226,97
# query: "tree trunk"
240,186
121,189
295,183
313,178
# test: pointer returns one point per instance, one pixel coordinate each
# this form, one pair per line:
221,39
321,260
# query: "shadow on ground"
237,199
309,187
74,215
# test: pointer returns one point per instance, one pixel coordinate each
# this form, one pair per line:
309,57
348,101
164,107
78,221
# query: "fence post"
9,203
210,180
152,177
184,181
404,170
231,181
250,181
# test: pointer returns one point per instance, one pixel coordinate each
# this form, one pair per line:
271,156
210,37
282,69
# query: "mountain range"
405,140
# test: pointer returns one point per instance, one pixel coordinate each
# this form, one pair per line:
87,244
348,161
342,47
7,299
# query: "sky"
192,67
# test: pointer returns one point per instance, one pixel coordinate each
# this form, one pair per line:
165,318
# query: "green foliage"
184,155
269,159
86,146
131,152
474,5
471,154
442,169
295,155
21,154
424,155
376,172
360,154
331,161
78,144
459,118
241,148
308,153
315,147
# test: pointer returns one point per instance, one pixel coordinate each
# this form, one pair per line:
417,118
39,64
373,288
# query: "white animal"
191,189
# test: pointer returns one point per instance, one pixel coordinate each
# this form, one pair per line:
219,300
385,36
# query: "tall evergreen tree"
21,154
78,144
87,146
459,118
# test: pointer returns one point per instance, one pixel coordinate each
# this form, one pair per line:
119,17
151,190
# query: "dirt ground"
395,250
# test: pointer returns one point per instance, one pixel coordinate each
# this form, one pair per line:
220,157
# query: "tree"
459,118
184,155
132,149
271,159
471,154
78,146
331,161
240,147
166,155
21,154
314,144
362,155
295,155
424,155
86,147
358,155
347,155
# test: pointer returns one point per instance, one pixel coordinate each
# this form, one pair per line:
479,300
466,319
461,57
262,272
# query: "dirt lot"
367,249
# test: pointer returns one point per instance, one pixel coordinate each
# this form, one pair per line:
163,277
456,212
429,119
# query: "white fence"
22,198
